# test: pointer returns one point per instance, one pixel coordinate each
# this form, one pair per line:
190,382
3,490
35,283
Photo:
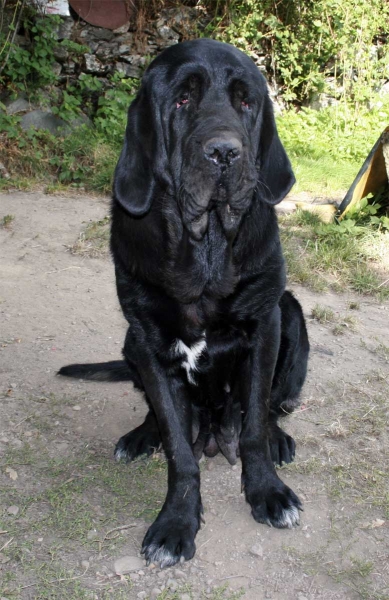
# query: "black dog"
217,345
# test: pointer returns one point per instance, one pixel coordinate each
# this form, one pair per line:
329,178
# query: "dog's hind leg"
282,445
288,378
144,439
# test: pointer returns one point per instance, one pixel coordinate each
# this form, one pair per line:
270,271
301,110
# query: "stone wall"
130,48
124,50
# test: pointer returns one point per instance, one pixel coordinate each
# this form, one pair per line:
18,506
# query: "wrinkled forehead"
216,61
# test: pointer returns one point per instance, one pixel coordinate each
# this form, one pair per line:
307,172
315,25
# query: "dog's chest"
189,356
193,321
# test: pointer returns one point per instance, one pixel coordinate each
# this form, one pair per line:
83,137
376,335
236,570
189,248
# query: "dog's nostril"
215,155
222,150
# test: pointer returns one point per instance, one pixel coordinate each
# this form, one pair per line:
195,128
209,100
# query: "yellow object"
373,175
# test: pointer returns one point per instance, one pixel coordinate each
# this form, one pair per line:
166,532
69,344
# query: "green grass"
222,593
324,257
348,570
328,147
325,176
53,582
383,351
61,498
94,240
6,221
72,503
64,501
353,305
323,314
85,159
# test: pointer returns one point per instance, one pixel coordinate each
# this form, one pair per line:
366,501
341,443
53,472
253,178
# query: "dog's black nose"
223,150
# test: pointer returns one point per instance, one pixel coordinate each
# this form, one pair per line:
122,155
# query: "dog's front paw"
282,445
274,504
170,539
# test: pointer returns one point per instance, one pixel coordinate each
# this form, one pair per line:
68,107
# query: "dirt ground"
68,512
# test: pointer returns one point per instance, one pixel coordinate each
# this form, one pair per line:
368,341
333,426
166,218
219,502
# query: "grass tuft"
94,241
323,314
322,257
6,221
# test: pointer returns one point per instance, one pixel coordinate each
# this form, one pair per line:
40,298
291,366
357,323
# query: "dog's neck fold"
204,266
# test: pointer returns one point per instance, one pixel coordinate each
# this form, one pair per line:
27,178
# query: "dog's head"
202,128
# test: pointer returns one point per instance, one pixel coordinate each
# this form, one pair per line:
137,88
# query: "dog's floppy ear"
275,171
142,157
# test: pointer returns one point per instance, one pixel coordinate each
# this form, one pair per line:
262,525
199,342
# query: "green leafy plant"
371,210
8,123
69,107
7,221
343,132
111,115
30,68
310,41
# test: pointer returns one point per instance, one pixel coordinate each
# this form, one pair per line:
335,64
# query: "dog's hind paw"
142,440
282,445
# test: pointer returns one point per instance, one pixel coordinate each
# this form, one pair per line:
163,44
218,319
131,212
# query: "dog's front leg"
271,501
172,535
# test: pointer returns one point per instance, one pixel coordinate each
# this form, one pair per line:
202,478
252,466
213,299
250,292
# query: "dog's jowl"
215,343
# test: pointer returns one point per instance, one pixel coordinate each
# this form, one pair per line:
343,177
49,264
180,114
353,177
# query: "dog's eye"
183,100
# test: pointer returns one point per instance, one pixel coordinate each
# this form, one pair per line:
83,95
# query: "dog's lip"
198,226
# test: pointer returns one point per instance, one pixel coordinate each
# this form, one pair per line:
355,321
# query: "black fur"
199,266
115,370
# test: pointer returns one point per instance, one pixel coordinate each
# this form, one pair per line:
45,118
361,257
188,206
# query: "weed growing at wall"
310,42
84,159
24,69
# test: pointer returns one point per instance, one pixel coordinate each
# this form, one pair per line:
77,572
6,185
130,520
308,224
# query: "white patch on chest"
190,355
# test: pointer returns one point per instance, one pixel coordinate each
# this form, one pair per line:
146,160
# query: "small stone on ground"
126,564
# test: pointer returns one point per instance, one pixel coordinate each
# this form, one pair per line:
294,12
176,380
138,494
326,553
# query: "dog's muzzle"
218,174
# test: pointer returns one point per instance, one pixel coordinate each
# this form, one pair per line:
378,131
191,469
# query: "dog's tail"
115,370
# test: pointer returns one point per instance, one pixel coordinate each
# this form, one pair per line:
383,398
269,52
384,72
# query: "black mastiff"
215,342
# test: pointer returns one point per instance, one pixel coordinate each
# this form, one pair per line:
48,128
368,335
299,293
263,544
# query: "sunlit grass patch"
322,257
